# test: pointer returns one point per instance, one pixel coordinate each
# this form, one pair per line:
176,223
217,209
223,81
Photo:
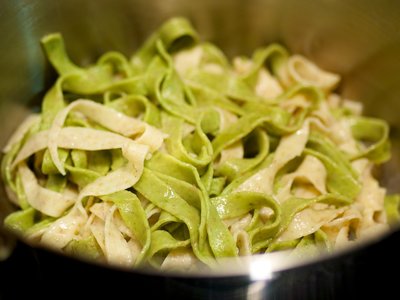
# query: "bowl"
359,40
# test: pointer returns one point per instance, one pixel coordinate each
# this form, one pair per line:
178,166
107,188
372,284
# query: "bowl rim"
255,267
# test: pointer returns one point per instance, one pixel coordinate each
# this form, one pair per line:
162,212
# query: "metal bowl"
358,39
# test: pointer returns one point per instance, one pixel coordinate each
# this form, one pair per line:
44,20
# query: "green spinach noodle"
177,157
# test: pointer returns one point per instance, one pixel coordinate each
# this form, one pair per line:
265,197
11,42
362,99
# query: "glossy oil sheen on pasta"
177,157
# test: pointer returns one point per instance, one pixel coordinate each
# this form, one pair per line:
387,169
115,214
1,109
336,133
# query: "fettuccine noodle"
178,157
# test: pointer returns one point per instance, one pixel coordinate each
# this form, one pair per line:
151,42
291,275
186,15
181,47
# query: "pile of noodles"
178,156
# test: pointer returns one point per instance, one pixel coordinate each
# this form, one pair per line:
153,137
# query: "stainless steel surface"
360,39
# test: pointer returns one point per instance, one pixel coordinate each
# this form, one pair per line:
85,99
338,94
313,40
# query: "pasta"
178,156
